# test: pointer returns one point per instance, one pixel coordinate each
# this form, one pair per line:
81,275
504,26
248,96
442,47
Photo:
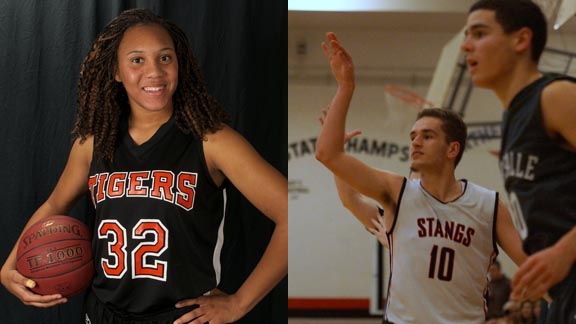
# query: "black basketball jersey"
159,222
539,175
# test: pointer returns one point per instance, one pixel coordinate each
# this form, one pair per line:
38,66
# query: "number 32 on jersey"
153,237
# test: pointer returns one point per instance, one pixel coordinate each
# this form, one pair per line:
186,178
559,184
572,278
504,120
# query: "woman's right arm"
70,187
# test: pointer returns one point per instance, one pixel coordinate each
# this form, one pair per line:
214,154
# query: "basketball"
56,253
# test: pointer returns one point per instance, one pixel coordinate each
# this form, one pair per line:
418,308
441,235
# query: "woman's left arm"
229,155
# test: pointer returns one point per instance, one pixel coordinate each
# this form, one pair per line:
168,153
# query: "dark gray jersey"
539,172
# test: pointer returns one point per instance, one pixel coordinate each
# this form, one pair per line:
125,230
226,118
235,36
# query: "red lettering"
186,190
449,230
101,182
421,228
438,231
468,239
162,183
430,222
459,233
91,186
136,188
116,185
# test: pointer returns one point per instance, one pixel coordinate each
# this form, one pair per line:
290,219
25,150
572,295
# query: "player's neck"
148,120
142,126
511,85
443,187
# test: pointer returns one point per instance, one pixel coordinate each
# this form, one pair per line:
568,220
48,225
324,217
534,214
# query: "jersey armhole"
494,222
200,145
399,201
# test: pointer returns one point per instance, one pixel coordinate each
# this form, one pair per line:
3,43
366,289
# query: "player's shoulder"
226,141
557,87
557,103
224,134
83,147
476,188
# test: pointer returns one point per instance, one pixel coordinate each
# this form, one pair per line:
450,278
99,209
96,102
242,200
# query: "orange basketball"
56,253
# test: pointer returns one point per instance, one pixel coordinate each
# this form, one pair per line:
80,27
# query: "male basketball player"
503,44
442,231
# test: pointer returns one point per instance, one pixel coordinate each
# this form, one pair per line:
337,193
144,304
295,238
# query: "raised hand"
340,61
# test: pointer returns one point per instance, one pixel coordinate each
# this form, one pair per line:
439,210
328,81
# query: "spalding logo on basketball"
56,253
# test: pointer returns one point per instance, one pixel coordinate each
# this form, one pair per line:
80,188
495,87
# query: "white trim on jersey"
219,243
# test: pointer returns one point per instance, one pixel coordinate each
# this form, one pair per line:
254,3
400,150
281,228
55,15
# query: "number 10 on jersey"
441,263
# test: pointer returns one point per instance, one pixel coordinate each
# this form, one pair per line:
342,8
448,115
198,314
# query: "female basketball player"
153,148
442,231
503,44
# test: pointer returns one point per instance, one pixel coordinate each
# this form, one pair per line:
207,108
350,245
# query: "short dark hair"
452,125
515,14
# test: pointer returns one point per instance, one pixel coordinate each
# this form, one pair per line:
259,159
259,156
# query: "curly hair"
102,101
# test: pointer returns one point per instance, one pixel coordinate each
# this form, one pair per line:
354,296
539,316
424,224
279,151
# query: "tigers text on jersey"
440,254
158,228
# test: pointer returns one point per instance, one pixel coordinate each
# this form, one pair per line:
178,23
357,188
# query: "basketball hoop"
407,96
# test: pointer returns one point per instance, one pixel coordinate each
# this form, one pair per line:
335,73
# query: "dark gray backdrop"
241,48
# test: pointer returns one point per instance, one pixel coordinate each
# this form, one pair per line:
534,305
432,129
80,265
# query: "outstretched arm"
380,185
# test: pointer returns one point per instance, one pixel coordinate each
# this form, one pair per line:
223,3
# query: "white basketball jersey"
440,254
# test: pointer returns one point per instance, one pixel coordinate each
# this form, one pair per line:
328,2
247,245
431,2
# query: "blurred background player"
498,291
503,44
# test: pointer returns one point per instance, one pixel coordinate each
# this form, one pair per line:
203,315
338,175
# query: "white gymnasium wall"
330,253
